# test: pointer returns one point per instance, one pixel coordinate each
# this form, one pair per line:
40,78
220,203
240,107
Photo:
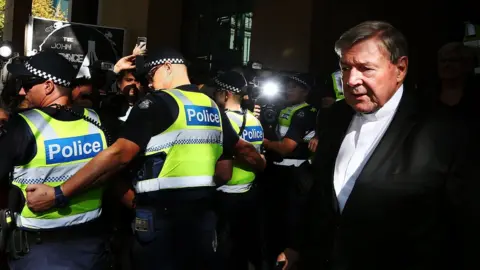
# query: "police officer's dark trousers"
183,237
72,249
285,195
240,234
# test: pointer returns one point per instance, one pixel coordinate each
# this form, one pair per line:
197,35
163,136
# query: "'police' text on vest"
73,148
202,116
253,134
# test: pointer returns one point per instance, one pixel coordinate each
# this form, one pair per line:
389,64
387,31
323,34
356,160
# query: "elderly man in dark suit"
393,189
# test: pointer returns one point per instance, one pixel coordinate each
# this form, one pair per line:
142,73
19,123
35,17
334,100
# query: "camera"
268,95
269,113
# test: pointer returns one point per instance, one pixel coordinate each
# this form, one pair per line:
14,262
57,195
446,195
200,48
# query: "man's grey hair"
392,40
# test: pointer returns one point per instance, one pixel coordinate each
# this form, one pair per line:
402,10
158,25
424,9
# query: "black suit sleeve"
463,186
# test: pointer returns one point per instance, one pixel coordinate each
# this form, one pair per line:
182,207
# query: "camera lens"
269,115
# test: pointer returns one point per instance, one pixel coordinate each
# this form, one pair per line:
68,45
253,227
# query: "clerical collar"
388,109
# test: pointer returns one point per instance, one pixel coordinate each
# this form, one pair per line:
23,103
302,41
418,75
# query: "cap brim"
18,70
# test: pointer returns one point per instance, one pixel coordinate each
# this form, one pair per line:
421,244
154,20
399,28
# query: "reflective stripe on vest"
63,148
285,118
241,180
193,144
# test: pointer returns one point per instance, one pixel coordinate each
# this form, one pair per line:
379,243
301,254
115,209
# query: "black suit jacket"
411,206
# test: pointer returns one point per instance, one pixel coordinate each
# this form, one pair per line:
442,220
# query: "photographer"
128,88
289,179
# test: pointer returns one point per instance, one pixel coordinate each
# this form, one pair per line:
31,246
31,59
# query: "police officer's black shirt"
18,146
157,111
303,122
154,114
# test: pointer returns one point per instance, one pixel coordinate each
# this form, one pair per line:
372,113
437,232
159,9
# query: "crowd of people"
138,168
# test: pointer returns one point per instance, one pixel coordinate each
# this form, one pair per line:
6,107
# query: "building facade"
282,34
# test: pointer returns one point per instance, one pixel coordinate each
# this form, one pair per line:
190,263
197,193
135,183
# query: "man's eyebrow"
366,63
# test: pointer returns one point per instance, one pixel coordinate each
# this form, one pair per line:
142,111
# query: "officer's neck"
179,81
232,106
61,100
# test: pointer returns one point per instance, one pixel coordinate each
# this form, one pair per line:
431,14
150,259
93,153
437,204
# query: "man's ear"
49,87
168,68
402,67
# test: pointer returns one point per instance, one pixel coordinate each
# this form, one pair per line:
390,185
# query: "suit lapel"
336,133
398,130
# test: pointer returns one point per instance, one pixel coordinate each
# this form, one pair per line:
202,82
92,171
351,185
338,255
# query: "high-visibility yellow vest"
285,118
192,144
284,121
63,148
253,133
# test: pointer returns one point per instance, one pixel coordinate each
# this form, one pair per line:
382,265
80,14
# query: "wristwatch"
60,199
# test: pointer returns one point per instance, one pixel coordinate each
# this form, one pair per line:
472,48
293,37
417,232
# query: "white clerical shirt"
361,139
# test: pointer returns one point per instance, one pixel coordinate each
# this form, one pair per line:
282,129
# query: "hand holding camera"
257,109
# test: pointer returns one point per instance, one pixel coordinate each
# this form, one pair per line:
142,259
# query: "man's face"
82,96
127,80
451,65
3,117
369,77
35,91
160,77
220,98
295,93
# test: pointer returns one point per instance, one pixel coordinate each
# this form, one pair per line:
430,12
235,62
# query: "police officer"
238,204
46,146
180,135
289,179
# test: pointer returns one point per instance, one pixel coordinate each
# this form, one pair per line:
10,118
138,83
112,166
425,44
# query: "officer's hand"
40,197
312,145
266,143
257,110
124,63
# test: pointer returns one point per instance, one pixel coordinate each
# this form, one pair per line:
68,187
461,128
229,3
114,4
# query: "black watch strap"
60,199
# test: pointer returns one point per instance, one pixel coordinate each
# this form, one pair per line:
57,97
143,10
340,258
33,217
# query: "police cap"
302,79
231,81
48,65
162,56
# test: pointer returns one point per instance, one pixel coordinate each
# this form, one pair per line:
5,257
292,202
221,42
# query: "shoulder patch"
145,104
301,114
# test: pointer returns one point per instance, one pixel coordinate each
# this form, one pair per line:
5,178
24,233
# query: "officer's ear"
168,68
49,87
228,95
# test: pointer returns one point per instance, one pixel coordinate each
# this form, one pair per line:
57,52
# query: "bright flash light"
5,51
270,89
